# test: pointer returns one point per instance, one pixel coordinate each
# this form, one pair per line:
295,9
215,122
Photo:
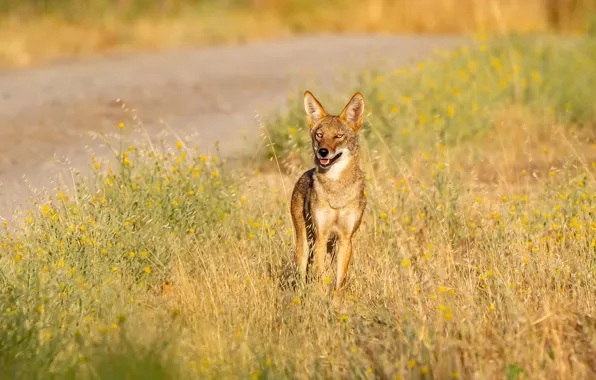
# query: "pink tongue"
324,161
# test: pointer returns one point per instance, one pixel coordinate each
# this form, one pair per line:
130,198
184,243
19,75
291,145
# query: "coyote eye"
339,136
319,135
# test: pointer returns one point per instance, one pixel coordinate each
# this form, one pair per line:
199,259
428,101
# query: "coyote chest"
337,196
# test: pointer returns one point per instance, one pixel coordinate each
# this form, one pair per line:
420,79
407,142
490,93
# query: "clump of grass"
476,256
456,97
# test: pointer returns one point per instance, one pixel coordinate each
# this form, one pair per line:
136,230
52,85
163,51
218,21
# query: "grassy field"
476,257
95,27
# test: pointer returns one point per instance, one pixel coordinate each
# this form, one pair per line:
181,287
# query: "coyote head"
334,138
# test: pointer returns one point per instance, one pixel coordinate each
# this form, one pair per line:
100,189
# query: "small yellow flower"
297,300
191,230
423,370
215,174
179,145
383,215
147,270
144,254
412,364
191,193
406,263
120,125
131,255
448,316
536,76
203,158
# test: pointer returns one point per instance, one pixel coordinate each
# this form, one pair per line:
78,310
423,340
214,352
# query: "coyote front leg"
324,221
348,223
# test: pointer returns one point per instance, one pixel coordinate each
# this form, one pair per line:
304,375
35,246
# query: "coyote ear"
353,112
314,110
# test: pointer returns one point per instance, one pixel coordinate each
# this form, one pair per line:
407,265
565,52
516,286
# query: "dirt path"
46,113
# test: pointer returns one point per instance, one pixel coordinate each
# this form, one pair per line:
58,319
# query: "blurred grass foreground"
34,31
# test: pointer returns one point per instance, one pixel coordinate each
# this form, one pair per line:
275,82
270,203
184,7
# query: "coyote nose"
323,152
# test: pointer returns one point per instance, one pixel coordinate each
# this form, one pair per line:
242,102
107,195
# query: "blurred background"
37,31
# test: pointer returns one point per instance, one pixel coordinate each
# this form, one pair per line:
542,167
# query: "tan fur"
328,200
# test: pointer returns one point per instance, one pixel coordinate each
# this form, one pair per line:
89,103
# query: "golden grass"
27,41
475,259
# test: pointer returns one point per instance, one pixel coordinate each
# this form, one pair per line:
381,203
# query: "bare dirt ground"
47,113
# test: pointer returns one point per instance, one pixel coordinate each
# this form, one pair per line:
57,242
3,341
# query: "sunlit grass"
96,27
476,256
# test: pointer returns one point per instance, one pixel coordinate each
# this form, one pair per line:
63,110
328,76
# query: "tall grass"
456,97
476,256
94,27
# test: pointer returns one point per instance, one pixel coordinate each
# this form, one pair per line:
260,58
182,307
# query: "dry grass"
82,31
475,259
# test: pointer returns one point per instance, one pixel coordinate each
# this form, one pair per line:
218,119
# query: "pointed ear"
353,112
314,110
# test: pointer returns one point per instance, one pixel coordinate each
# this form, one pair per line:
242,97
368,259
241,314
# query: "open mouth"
326,162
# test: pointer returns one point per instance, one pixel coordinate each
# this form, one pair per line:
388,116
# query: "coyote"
330,197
